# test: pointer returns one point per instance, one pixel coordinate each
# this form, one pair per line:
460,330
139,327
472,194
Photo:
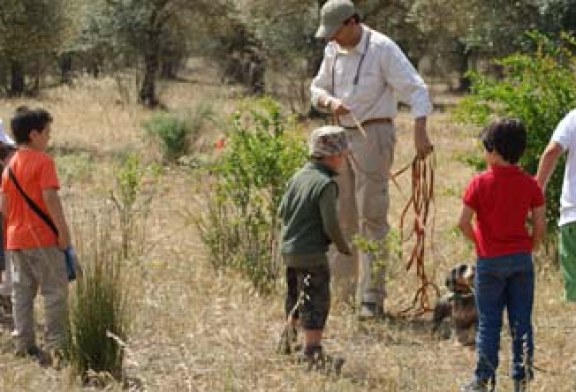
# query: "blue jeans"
506,281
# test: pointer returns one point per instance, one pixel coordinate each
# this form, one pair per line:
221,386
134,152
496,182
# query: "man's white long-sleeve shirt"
385,76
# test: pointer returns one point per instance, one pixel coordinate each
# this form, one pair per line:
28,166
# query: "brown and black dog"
459,306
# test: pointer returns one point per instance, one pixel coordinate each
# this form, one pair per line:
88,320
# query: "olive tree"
31,34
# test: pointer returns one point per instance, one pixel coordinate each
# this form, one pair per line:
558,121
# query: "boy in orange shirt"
34,249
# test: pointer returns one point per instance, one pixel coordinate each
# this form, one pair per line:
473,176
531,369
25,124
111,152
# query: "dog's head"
460,279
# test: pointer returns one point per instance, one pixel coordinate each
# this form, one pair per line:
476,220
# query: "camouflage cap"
327,141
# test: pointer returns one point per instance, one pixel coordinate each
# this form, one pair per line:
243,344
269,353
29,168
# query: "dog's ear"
455,275
462,270
470,274
461,278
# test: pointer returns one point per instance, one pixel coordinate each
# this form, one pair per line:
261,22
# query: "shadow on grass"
396,329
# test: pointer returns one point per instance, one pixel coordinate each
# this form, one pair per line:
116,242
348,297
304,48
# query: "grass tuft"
98,310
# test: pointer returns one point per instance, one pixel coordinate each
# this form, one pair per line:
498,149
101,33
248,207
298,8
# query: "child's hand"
63,241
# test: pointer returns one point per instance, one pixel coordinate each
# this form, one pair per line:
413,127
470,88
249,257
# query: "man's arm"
320,87
538,226
322,95
548,162
410,88
332,105
324,101
421,140
54,206
465,223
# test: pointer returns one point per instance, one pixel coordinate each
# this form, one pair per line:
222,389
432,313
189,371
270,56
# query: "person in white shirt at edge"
564,140
362,75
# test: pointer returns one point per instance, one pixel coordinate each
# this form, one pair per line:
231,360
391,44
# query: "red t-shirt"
36,172
502,197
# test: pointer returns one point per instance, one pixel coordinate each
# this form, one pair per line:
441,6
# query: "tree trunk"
16,78
36,73
169,68
171,59
94,69
4,87
463,66
256,74
66,68
147,94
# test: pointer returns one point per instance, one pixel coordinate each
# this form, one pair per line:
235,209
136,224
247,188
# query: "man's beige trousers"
363,203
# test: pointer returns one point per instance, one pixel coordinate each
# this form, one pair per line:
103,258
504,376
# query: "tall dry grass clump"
99,309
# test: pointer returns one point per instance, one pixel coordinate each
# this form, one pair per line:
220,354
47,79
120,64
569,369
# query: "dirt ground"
194,329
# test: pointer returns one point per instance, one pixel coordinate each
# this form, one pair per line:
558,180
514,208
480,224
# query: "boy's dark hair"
507,137
26,120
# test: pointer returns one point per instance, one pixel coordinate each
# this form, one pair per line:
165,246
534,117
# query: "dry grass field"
197,330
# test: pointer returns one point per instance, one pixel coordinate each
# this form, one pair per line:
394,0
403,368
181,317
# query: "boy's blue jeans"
506,281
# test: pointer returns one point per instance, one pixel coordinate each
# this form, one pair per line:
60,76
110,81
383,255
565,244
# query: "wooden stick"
358,125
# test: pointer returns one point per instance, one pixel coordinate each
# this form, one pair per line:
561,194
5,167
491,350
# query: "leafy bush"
240,225
176,133
131,200
538,88
387,253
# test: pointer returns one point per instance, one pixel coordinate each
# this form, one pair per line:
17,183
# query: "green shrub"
387,253
99,308
539,88
240,225
176,132
171,132
131,198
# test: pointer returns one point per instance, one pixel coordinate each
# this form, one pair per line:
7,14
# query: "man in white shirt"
564,139
362,75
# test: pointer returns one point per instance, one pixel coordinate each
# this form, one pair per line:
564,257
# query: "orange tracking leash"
418,207
415,216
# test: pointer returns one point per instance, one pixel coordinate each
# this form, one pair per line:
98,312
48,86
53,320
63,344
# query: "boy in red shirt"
35,251
502,198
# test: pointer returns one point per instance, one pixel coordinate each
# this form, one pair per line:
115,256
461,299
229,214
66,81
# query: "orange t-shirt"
35,171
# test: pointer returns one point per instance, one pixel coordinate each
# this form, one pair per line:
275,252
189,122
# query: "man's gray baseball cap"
332,15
